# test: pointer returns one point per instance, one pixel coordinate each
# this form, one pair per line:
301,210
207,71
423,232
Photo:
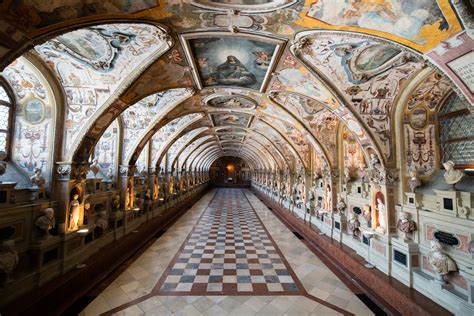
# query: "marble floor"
228,255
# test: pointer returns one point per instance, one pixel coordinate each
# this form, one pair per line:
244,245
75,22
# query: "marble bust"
95,167
3,165
37,179
8,257
414,182
441,262
406,225
451,175
347,175
353,225
341,205
101,221
367,214
46,222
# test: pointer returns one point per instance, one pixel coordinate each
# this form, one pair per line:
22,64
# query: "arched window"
457,132
6,108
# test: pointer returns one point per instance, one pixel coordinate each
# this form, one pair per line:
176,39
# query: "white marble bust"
451,175
441,262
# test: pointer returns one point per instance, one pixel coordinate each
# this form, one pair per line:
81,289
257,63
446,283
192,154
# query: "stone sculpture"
37,180
8,259
347,175
382,212
95,167
451,175
116,204
441,262
414,182
341,205
3,165
406,225
102,221
74,212
353,226
46,222
328,198
367,214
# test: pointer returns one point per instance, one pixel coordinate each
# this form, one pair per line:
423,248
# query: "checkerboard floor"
229,252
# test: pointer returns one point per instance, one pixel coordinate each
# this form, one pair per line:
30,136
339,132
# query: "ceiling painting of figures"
231,119
419,22
223,60
231,102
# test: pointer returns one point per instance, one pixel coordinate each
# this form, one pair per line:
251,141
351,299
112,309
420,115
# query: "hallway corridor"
228,255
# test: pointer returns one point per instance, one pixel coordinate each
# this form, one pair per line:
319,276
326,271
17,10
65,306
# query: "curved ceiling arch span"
196,149
291,144
199,153
253,163
294,76
218,151
155,79
210,151
146,112
189,146
216,155
68,26
194,123
366,86
241,145
273,111
244,6
270,145
260,137
255,153
263,154
179,143
96,64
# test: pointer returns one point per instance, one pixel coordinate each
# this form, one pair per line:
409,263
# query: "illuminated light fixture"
83,231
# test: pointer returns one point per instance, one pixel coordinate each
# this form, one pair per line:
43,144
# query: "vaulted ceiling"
269,81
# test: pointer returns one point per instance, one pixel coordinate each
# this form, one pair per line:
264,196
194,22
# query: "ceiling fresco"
140,116
410,19
34,121
287,79
165,133
92,63
231,119
368,73
420,23
190,147
106,150
243,5
179,144
223,60
231,102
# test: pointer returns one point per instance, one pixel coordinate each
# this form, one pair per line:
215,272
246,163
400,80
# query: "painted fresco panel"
232,61
232,119
409,19
93,62
34,117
